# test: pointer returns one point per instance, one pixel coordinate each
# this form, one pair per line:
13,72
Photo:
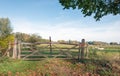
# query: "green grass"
104,54
17,66
55,46
100,62
112,47
57,67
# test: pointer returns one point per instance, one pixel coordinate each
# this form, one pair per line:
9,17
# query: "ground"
57,67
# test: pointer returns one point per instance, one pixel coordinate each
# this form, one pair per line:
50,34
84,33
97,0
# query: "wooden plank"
46,55
42,58
26,51
48,43
33,58
25,43
30,54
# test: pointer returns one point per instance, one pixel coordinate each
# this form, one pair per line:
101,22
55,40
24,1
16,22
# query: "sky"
47,18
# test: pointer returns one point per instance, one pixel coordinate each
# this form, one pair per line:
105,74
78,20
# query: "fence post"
15,49
79,49
87,51
82,48
8,53
19,50
50,45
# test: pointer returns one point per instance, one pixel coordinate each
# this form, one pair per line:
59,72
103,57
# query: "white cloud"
74,30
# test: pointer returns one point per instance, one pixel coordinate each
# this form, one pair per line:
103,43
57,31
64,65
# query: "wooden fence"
32,51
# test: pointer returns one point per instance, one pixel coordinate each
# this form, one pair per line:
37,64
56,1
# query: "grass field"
98,63
57,67
109,52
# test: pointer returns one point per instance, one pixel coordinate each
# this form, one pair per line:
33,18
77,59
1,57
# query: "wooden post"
19,50
82,48
8,53
87,51
50,45
15,49
79,52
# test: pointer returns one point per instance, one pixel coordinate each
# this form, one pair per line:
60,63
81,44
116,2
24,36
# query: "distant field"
110,52
112,47
56,46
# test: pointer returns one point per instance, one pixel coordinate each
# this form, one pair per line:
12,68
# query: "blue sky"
47,18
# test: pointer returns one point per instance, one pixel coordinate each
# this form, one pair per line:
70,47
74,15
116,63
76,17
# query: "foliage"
98,8
29,37
5,34
5,28
97,43
69,42
5,42
34,38
22,36
113,43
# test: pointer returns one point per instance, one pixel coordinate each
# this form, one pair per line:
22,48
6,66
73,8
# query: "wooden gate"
38,50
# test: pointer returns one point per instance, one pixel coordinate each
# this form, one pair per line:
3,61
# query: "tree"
5,28
98,8
22,36
34,38
61,41
5,34
113,43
